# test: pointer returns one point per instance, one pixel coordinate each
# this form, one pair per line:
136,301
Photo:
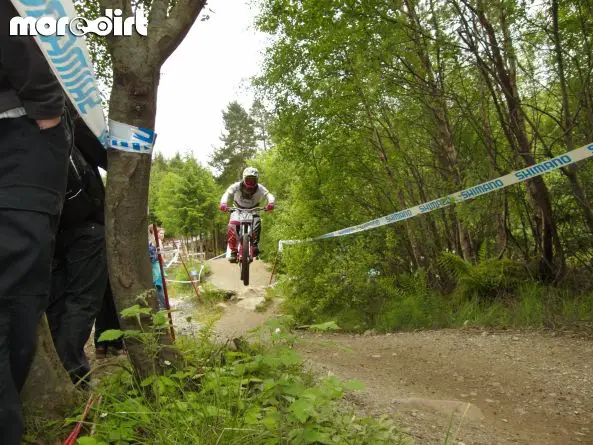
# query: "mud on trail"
490,388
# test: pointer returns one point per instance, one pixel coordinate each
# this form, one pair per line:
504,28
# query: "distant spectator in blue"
157,278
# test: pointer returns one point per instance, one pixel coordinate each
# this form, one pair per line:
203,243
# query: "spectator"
157,278
35,140
79,275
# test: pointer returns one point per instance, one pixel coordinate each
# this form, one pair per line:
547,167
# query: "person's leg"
27,248
86,280
232,234
107,318
160,293
57,304
33,172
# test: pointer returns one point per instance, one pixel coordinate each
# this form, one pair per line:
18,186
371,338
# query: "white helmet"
250,177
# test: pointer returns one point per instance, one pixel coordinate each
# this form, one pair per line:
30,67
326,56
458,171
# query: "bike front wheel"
245,259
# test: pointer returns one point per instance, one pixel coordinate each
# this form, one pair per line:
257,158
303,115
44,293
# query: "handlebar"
256,209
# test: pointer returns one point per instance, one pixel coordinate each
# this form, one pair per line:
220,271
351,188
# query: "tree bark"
435,86
503,70
571,170
48,393
136,70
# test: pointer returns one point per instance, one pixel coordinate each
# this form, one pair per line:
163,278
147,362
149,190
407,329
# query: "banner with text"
464,195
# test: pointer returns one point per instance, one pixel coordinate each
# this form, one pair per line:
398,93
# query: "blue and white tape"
464,195
129,138
69,59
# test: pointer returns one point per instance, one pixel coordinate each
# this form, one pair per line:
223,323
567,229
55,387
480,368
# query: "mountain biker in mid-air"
246,195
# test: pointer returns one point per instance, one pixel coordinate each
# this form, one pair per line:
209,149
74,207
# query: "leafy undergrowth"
492,293
256,393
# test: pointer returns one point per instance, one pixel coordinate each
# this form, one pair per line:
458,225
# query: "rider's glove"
270,207
224,207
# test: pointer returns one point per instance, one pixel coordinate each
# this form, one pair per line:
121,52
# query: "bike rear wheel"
245,259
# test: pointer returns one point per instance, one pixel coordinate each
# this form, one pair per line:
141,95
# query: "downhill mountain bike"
245,239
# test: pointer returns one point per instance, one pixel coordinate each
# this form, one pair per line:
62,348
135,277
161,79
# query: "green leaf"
214,411
252,415
148,380
312,435
110,335
159,319
296,389
302,409
134,311
271,421
86,440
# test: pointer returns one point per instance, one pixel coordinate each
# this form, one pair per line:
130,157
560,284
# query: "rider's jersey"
244,198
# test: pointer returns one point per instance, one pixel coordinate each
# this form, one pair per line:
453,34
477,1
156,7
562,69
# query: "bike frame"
245,218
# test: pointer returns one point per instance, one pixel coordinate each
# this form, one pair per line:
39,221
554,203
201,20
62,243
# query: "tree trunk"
536,187
48,393
136,69
434,84
571,170
133,100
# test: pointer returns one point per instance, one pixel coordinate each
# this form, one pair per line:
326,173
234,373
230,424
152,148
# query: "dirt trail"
240,317
505,387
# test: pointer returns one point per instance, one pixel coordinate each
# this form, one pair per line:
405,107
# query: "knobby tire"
245,260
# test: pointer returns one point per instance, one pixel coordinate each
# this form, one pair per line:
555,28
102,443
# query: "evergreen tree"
239,144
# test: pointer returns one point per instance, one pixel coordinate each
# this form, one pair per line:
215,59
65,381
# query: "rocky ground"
485,387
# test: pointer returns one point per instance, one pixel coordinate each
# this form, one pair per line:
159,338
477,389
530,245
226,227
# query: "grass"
260,394
404,308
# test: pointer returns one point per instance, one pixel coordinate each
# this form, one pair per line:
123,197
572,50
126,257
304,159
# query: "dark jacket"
85,192
26,80
96,156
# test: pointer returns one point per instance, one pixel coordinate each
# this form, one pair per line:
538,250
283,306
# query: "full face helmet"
250,177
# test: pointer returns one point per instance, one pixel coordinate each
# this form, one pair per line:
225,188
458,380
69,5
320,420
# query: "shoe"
100,352
256,251
233,258
116,351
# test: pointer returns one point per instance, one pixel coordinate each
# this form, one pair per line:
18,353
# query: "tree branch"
176,27
157,15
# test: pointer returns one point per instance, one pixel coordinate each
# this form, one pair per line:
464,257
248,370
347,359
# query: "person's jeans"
160,293
79,281
26,240
107,318
33,172
233,231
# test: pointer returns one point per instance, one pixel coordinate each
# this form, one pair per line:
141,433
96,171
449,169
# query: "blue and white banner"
464,195
58,30
69,59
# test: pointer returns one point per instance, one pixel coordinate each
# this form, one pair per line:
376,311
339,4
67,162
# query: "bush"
488,280
258,394
411,304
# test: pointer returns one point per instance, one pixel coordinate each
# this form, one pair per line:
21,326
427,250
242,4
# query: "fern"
486,250
453,265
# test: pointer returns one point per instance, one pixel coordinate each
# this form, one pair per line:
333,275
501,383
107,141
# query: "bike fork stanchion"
160,257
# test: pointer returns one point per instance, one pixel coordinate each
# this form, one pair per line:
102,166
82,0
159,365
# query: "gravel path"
493,388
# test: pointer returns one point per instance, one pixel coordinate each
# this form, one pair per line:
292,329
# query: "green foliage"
371,117
110,335
411,305
239,143
184,197
488,280
258,394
